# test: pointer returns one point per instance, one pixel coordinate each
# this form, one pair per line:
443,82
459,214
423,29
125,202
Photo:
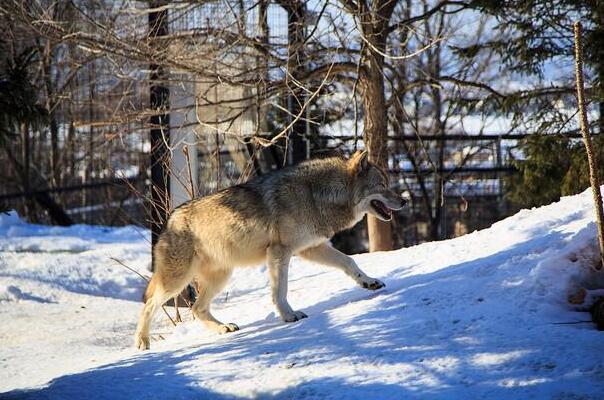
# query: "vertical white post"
182,128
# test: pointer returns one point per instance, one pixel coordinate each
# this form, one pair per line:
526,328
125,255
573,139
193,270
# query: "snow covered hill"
473,317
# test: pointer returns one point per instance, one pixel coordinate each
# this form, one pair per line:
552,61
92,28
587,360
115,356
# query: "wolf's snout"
394,201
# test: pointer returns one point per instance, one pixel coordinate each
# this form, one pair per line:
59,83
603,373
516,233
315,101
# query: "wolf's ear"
358,162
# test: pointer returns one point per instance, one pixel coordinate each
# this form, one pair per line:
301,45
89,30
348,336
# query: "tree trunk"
375,136
47,58
374,26
438,222
159,97
296,143
55,211
25,175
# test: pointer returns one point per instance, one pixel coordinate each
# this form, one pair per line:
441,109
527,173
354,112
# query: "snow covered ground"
473,317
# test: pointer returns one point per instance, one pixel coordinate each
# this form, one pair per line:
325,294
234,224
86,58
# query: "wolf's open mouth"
381,209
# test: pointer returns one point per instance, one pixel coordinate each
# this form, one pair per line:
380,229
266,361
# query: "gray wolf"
294,211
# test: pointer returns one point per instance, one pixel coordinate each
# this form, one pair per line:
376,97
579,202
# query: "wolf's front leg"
327,255
278,265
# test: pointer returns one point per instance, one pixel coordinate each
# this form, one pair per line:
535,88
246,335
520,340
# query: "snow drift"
472,317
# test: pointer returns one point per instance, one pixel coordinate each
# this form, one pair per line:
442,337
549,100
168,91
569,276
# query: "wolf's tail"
150,288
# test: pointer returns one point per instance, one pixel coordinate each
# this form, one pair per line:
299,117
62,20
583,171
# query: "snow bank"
20,236
473,317
79,258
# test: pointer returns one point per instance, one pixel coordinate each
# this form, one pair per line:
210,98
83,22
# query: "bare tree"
77,91
385,53
432,95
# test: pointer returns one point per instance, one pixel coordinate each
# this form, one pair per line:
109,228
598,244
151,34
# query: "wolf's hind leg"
210,283
160,295
327,255
172,274
156,300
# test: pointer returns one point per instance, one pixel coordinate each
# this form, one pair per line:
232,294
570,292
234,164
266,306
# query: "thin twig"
185,150
284,131
130,269
146,280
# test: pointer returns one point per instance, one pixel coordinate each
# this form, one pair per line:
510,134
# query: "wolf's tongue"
385,209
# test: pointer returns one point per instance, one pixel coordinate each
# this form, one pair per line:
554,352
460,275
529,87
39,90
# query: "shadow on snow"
413,330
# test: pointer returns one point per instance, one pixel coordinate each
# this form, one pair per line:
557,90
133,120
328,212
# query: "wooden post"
591,158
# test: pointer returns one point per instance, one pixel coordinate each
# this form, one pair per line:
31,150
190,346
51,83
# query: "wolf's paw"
226,328
141,342
294,316
372,284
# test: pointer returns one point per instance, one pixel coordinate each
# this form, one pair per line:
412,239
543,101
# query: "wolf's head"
370,188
